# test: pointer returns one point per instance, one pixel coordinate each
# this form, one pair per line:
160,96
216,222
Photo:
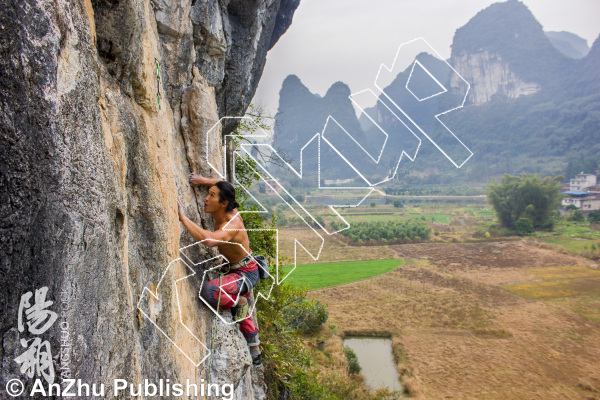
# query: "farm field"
574,237
321,275
456,328
486,317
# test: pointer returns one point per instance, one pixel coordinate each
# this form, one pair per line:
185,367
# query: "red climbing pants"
235,283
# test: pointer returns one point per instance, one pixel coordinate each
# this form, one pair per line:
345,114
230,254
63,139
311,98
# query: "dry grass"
457,335
557,273
410,385
556,289
586,307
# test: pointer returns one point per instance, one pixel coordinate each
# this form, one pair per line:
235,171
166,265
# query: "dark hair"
227,193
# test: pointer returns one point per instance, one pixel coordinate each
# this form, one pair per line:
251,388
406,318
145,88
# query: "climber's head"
221,196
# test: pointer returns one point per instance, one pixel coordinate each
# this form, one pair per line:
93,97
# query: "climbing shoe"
241,312
257,359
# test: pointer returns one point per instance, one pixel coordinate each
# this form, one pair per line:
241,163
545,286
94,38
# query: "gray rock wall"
95,147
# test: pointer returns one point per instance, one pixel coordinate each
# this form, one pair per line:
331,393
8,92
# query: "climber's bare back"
239,246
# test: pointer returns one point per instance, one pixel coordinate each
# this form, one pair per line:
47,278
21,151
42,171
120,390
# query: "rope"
214,329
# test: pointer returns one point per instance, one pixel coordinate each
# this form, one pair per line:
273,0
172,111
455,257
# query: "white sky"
347,40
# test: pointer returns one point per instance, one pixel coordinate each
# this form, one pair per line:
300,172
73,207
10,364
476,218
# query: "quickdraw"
158,81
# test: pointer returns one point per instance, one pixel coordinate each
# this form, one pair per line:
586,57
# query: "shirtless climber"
242,273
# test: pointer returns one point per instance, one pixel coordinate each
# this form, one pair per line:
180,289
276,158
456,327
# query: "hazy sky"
347,40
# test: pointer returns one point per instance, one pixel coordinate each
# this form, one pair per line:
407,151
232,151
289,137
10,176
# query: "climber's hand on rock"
196,179
180,210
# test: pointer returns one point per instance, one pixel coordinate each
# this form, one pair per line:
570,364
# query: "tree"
526,196
398,204
373,204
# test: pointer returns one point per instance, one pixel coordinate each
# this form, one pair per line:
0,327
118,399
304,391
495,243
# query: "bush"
594,216
391,230
281,220
524,226
305,316
398,204
372,204
499,231
353,364
549,224
287,362
576,215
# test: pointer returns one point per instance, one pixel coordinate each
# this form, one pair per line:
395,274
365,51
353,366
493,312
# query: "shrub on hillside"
576,215
594,216
305,316
353,364
524,226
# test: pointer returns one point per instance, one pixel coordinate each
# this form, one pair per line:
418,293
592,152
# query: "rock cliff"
105,107
503,52
490,76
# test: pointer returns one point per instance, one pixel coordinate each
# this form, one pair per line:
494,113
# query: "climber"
231,239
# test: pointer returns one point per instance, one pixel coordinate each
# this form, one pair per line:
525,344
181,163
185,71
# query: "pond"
376,360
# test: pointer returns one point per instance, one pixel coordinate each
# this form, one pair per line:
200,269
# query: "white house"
582,194
582,182
583,200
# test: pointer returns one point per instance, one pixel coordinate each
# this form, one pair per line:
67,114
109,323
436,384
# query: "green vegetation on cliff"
289,368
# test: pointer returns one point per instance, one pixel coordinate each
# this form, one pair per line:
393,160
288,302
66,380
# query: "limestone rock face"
105,108
489,76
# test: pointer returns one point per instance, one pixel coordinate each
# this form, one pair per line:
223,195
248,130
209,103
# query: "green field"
575,237
321,275
384,215
575,245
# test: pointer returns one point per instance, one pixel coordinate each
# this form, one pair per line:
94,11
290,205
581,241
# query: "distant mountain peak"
338,89
498,26
569,44
293,82
594,52
293,87
509,34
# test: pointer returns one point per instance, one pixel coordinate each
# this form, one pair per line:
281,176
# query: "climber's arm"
207,237
199,180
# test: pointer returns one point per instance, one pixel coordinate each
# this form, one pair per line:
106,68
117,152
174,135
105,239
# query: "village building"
583,193
582,182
